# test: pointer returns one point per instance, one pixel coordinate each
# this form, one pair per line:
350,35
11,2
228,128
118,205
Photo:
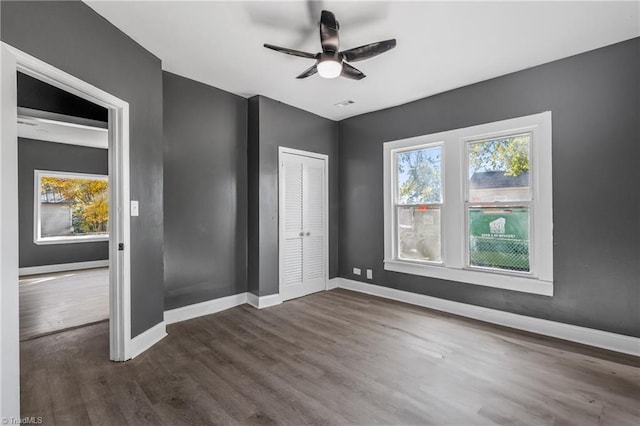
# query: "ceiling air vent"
344,103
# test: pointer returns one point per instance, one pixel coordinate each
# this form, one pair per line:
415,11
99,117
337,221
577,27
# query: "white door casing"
303,220
13,60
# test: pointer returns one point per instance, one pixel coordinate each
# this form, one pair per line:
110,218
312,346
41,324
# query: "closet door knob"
308,233
301,234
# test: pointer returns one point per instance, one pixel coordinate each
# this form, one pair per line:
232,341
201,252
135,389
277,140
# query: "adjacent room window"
70,207
473,205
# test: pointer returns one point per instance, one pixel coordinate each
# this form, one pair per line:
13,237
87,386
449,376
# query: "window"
70,207
418,197
473,205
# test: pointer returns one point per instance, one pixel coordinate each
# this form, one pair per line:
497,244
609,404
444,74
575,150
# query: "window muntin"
418,200
498,203
70,207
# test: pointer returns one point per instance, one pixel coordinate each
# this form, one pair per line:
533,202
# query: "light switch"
135,211
369,274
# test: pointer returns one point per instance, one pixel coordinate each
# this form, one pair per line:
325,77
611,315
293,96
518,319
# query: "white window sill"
71,240
507,282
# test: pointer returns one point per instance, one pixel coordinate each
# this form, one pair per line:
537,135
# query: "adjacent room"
320,212
63,199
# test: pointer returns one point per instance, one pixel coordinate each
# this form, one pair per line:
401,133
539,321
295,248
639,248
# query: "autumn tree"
88,199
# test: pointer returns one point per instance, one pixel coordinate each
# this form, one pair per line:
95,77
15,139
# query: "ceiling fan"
331,63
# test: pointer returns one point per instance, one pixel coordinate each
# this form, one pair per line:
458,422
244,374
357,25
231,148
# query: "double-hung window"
418,203
473,205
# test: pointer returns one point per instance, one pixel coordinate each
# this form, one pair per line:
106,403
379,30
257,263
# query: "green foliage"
510,155
419,176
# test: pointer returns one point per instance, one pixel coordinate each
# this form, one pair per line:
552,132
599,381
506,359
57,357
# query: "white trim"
119,206
333,283
261,302
208,307
9,340
588,336
146,339
38,174
325,158
497,280
453,266
61,267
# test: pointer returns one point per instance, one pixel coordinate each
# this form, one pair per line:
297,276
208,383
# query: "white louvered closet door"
303,225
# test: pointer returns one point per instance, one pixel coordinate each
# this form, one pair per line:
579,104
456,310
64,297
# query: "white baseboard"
588,336
48,269
146,339
333,283
261,302
204,308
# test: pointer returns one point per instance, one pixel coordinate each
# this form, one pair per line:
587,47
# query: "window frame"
530,203
38,174
396,205
454,223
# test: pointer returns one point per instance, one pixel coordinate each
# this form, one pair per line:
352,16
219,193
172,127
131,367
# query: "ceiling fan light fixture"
329,68
331,62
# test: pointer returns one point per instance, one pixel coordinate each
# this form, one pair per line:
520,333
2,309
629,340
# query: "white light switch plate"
135,210
357,271
369,274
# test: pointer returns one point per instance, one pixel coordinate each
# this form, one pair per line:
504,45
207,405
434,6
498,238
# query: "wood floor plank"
335,357
61,300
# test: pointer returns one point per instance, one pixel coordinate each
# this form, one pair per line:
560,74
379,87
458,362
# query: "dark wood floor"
332,358
61,300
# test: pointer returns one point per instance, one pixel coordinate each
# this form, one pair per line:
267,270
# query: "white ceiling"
52,127
441,45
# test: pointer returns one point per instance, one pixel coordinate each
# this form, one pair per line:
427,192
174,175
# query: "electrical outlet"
357,271
369,274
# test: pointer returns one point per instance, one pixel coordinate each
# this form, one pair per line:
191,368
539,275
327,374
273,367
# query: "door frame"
316,155
13,60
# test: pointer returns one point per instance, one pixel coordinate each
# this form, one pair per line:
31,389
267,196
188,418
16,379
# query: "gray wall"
594,99
33,154
274,124
205,192
72,37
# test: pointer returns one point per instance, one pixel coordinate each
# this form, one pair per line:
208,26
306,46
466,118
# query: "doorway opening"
63,207
121,346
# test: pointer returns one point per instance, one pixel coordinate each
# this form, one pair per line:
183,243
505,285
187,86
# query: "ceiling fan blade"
309,71
351,72
329,32
368,50
290,51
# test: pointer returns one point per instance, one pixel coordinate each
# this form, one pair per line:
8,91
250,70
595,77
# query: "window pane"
419,233
499,169
499,238
73,206
419,176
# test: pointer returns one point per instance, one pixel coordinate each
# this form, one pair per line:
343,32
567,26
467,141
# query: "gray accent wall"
32,155
205,192
75,39
273,124
594,99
